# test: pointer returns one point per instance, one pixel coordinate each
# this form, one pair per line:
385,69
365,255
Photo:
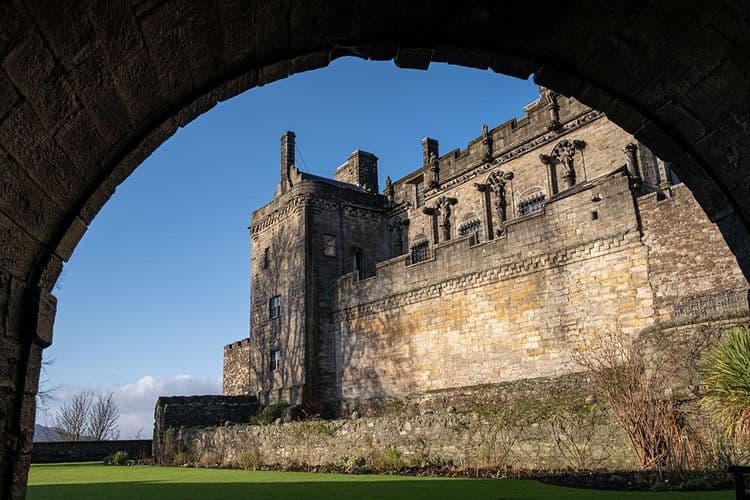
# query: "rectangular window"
420,252
472,229
274,307
275,360
266,257
329,245
419,193
532,204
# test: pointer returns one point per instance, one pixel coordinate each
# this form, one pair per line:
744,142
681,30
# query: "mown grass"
96,481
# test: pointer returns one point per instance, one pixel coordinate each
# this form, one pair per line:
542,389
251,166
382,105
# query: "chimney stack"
287,157
361,169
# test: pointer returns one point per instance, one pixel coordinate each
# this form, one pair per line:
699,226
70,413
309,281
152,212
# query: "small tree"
103,417
727,379
73,416
45,395
89,415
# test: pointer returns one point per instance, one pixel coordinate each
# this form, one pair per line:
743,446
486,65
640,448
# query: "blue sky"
160,282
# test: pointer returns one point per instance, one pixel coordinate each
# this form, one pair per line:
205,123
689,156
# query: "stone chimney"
361,169
287,159
429,146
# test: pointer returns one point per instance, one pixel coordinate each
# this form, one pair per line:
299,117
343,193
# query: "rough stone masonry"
483,266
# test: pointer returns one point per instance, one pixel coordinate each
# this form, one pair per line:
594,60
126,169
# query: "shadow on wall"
286,333
377,358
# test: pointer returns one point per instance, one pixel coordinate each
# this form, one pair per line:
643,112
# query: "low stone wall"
198,411
464,440
88,451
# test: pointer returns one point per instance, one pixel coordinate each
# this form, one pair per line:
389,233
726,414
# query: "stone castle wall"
507,309
236,375
691,269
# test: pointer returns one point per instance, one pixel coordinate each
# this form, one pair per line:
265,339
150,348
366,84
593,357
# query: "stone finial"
388,192
631,155
434,164
486,144
429,147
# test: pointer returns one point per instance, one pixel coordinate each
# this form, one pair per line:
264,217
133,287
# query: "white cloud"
136,401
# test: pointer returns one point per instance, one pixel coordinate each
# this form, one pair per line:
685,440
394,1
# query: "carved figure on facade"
564,154
496,182
434,165
486,143
443,209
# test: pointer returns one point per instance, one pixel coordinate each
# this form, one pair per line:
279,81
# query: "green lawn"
84,481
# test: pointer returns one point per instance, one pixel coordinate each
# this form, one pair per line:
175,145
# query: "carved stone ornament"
564,153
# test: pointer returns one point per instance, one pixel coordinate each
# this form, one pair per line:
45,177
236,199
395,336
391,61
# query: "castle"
483,266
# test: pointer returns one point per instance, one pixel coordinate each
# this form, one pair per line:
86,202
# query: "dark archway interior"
89,89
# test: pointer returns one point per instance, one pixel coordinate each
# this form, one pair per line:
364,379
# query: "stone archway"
89,89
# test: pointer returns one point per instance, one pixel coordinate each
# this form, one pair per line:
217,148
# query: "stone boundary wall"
194,411
463,440
88,451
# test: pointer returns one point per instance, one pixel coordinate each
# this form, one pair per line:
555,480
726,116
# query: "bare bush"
638,400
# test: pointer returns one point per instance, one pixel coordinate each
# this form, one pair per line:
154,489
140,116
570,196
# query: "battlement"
237,344
538,120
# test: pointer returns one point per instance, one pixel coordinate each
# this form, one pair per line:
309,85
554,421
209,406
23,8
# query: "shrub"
352,463
727,378
250,458
269,414
653,423
391,461
120,458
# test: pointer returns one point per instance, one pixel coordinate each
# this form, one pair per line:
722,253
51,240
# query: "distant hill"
47,434
42,433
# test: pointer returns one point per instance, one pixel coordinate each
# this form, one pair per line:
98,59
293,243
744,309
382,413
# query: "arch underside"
89,89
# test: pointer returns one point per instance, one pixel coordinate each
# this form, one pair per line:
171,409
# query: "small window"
329,245
420,252
532,204
274,306
419,193
594,215
275,360
472,229
266,257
